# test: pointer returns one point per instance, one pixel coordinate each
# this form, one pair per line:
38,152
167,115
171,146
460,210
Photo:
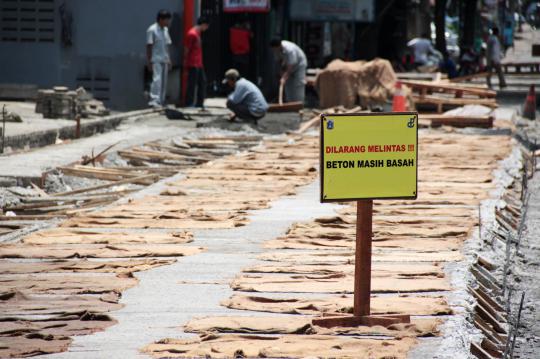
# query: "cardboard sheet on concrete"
15,304
81,265
66,283
286,346
96,251
88,236
414,305
378,269
302,325
335,283
346,257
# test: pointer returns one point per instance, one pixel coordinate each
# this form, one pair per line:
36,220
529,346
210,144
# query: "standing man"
494,56
246,101
158,58
193,61
294,61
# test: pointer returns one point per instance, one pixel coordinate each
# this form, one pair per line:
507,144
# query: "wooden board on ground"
286,107
437,120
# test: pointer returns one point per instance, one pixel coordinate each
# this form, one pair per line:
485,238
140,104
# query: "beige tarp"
414,305
341,83
286,346
302,325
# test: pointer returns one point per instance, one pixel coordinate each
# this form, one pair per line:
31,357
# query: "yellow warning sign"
369,156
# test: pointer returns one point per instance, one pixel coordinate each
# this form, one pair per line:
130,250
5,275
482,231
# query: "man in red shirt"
239,41
193,61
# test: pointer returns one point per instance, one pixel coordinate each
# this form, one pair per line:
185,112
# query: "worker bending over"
294,61
246,101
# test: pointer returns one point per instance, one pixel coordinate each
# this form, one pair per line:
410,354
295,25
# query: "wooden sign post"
366,157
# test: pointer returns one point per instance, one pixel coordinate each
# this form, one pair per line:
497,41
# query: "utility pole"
440,25
468,15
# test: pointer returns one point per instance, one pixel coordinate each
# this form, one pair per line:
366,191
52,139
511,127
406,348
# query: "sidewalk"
28,166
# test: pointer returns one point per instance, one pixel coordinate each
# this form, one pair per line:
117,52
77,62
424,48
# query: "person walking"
494,56
294,61
158,57
193,61
246,101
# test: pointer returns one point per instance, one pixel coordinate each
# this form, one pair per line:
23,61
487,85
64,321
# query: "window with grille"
27,20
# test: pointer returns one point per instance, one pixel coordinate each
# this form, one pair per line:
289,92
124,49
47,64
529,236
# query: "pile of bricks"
60,102
57,103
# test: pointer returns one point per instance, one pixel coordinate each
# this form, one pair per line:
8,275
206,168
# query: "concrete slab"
169,296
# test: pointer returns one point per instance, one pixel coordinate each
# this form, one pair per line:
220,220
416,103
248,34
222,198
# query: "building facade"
97,44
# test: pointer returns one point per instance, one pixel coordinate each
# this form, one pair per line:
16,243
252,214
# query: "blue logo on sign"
330,125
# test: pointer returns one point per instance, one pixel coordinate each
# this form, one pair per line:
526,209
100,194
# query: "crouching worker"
246,101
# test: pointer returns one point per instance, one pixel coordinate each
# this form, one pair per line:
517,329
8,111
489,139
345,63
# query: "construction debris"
62,103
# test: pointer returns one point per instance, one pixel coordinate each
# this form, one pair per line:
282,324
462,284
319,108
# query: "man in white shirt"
246,101
295,63
422,47
158,58
494,56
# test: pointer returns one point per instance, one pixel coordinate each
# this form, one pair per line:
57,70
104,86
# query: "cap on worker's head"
231,74
275,42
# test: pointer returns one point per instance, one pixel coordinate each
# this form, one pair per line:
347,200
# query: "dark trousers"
498,69
196,87
241,63
241,111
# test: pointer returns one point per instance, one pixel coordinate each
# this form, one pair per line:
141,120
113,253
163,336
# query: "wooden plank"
110,175
437,120
107,185
469,77
243,138
286,107
180,152
450,87
41,192
41,217
418,76
493,349
154,156
483,313
479,352
437,100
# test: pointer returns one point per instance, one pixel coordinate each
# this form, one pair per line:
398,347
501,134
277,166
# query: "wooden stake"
362,265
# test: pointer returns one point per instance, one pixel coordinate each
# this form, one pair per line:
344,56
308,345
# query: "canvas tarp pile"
342,83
